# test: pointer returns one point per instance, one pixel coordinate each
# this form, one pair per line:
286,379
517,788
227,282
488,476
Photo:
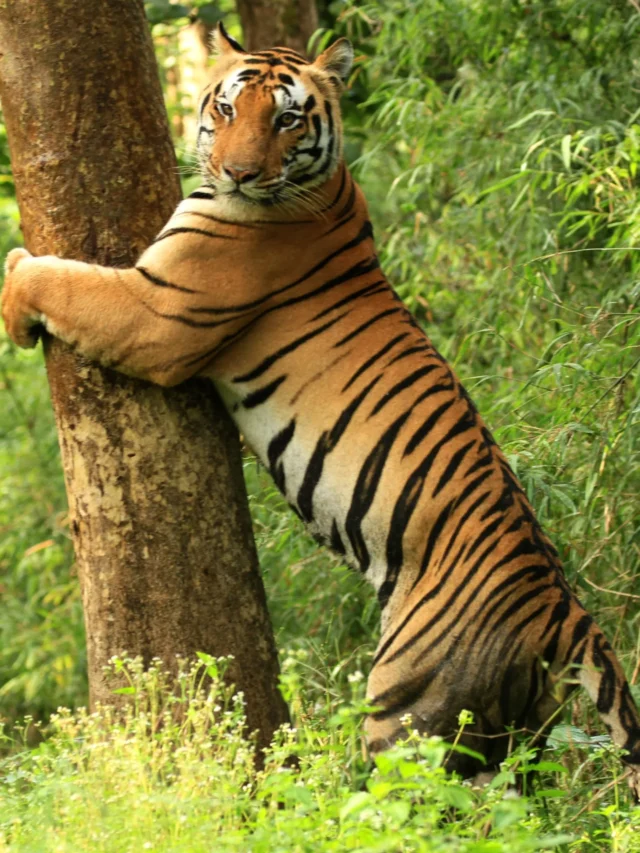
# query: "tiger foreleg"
113,316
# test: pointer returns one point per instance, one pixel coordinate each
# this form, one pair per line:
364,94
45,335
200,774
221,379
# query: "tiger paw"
13,259
23,323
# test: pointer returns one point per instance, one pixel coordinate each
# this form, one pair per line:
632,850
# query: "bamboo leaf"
565,148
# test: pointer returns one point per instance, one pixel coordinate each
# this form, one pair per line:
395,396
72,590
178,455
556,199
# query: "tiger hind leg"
599,672
525,695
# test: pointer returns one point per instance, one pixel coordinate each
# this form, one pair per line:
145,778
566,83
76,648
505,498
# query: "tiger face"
269,122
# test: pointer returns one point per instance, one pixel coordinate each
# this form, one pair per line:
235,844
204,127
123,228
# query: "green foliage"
7,189
42,654
42,657
174,772
498,146
163,11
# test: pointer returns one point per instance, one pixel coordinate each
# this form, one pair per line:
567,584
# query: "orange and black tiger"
266,280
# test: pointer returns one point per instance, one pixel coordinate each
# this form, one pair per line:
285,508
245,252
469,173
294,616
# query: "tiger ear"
336,59
223,44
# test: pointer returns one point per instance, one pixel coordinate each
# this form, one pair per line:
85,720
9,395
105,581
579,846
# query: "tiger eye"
287,119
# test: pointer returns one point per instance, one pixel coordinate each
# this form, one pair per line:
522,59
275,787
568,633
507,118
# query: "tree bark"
159,515
282,23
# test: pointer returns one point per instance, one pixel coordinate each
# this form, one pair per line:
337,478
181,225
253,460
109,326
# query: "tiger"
266,281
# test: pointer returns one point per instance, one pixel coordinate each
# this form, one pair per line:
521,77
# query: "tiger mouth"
260,198
276,190
266,196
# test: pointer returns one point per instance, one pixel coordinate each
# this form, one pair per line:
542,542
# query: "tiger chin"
266,281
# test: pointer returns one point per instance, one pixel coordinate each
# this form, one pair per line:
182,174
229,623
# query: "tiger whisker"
307,198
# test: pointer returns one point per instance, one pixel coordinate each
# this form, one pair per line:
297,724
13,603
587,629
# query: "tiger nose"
240,174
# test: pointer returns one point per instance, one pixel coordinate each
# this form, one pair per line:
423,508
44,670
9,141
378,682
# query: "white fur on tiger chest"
333,494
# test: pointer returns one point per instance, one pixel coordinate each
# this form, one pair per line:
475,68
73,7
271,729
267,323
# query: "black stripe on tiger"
408,500
580,632
277,447
387,587
467,491
607,691
374,358
522,548
378,286
160,282
517,605
426,427
505,641
503,502
403,695
328,151
336,542
364,326
270,360
343,180
482,462
340,224
261,395
327,442
412,350
348,207
554,627
363,235
171,232
248,74
406,383
452,467
502,592
205,357
274,62
365,490
445,630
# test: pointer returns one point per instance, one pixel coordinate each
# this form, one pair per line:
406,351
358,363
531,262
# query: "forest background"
498,145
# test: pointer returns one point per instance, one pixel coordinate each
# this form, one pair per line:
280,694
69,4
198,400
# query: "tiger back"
266,280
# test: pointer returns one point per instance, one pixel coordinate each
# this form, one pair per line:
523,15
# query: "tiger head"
269,122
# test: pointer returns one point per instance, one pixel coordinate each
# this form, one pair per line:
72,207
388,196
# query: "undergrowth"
174,771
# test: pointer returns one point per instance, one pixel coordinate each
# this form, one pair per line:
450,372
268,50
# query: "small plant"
174,771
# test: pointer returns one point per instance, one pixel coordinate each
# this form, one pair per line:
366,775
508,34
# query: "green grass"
175,773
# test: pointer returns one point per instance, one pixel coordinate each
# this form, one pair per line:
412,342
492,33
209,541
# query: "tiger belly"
321,495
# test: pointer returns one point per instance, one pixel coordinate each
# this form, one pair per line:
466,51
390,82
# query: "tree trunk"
271,23
159,516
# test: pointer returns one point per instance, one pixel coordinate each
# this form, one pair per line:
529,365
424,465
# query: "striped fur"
266,280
